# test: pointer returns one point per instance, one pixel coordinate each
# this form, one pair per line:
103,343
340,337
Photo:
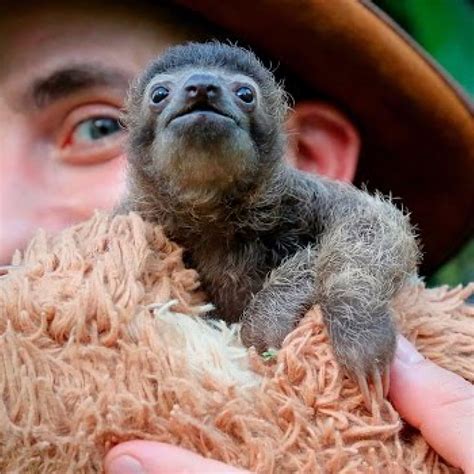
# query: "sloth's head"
206,115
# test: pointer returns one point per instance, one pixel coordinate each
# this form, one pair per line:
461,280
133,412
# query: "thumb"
149,457
437,402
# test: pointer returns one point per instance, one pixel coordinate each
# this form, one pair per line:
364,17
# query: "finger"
438,402
148,457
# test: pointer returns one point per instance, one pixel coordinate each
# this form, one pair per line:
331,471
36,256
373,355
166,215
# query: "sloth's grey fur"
268,241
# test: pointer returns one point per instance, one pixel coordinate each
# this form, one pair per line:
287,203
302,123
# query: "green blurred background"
445,28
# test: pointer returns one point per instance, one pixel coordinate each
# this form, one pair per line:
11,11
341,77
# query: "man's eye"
95,129
91,134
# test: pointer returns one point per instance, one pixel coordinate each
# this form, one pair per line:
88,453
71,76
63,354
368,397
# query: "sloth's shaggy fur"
274,241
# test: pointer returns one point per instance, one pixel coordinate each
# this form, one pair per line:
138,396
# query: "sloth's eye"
159,94
245,94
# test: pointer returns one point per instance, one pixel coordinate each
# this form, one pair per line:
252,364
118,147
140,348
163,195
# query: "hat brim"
416,125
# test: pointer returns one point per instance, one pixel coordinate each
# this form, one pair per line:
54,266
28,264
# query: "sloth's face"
203,124
202,102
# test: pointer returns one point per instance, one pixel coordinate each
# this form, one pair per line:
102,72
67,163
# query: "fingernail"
124,464
406,352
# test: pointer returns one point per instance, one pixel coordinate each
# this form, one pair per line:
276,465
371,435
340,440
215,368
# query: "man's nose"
202,86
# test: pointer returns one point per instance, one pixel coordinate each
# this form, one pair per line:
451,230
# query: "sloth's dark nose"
202,86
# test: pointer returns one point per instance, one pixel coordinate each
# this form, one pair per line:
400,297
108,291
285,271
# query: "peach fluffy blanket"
101,341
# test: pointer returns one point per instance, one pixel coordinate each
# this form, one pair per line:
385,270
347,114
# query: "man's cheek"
15,232
70,196
86,188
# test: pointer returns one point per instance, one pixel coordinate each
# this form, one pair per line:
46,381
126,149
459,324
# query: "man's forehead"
35,37
53,46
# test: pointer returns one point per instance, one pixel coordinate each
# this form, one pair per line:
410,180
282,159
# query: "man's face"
64,76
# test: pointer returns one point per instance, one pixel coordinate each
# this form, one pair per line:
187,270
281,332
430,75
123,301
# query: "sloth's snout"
202,87
203,97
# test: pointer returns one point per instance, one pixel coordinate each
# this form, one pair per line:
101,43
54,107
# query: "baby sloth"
206,151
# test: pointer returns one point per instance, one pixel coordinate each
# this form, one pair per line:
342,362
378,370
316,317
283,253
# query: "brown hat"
417,127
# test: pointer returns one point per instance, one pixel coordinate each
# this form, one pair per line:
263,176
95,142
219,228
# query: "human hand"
437,402
149,457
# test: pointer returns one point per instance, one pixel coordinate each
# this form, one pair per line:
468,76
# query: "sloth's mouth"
201,108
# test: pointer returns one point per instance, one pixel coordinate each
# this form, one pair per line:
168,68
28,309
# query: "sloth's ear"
323,141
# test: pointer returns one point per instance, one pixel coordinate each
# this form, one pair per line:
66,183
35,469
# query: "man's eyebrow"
72,79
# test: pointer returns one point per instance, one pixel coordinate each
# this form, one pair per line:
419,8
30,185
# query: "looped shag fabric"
101,341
